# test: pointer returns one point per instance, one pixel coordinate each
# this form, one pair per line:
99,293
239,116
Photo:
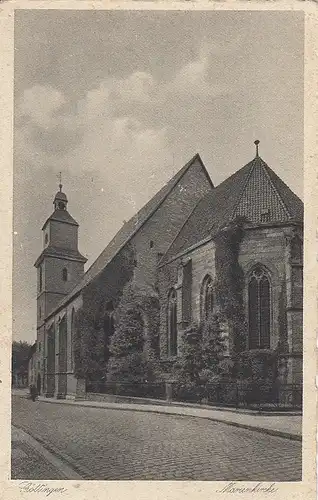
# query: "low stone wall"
111,398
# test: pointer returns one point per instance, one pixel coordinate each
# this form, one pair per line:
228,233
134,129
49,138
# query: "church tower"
60,265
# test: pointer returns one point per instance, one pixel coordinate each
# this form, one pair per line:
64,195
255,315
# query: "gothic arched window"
259,309
172,324
207,298
64,274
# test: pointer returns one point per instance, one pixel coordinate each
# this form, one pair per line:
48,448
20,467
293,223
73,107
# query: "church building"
192,251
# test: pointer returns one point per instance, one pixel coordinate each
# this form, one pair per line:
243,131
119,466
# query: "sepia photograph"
158,228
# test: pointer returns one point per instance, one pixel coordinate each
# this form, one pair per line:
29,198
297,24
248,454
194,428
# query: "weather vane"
60,178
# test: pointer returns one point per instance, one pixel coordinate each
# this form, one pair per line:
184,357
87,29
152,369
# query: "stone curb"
52,457
131,407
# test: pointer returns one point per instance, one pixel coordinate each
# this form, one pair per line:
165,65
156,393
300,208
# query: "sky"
119,101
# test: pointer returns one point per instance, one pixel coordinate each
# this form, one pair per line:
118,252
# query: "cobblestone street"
110,444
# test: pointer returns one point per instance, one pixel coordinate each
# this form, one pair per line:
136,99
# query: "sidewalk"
284,425
30,460
287,426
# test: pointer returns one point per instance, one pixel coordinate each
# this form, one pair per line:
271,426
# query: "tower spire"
256,144
60,200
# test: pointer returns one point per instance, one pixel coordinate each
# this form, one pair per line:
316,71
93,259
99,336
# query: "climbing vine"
133,356
230,281
89,338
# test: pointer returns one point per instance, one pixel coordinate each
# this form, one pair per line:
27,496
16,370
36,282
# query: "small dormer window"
265,215
46,238
151,244
64,274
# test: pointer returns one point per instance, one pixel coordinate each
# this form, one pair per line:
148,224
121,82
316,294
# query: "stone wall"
63,235
157,234
265,245
172,276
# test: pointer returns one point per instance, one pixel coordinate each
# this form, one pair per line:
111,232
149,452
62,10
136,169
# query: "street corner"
30,460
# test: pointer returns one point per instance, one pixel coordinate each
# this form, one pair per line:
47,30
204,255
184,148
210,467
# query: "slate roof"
61,216
129,229
251,191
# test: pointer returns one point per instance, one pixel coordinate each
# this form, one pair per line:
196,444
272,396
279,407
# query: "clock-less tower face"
60,265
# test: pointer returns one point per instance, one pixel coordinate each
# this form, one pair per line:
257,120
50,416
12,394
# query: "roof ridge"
213,193
252,166
221,204
161,262
174,181
178,176
266,168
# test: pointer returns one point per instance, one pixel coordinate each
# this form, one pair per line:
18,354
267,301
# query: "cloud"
39,103
194,79
100,135
121,130
138,87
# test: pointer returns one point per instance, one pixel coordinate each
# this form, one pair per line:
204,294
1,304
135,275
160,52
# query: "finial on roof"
60,184
256,144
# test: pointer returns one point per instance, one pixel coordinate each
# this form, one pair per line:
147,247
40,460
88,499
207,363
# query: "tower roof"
61,216
251,192
60,196
60,213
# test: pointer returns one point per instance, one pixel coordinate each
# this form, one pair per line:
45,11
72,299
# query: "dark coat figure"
33,392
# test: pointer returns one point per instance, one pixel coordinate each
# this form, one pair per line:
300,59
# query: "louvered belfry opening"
259,304
172,324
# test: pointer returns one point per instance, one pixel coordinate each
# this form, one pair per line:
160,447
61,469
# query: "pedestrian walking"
33,392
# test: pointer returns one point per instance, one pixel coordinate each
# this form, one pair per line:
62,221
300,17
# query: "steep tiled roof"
129,229
254,192
61,216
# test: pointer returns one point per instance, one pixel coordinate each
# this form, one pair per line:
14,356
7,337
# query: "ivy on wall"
230,281
89,338
201,353
88,347
133,356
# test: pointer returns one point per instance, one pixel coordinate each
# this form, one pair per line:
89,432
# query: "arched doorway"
38,384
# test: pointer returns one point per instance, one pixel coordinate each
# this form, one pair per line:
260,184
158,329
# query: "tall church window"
64,274
172,324
259,309
207,298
